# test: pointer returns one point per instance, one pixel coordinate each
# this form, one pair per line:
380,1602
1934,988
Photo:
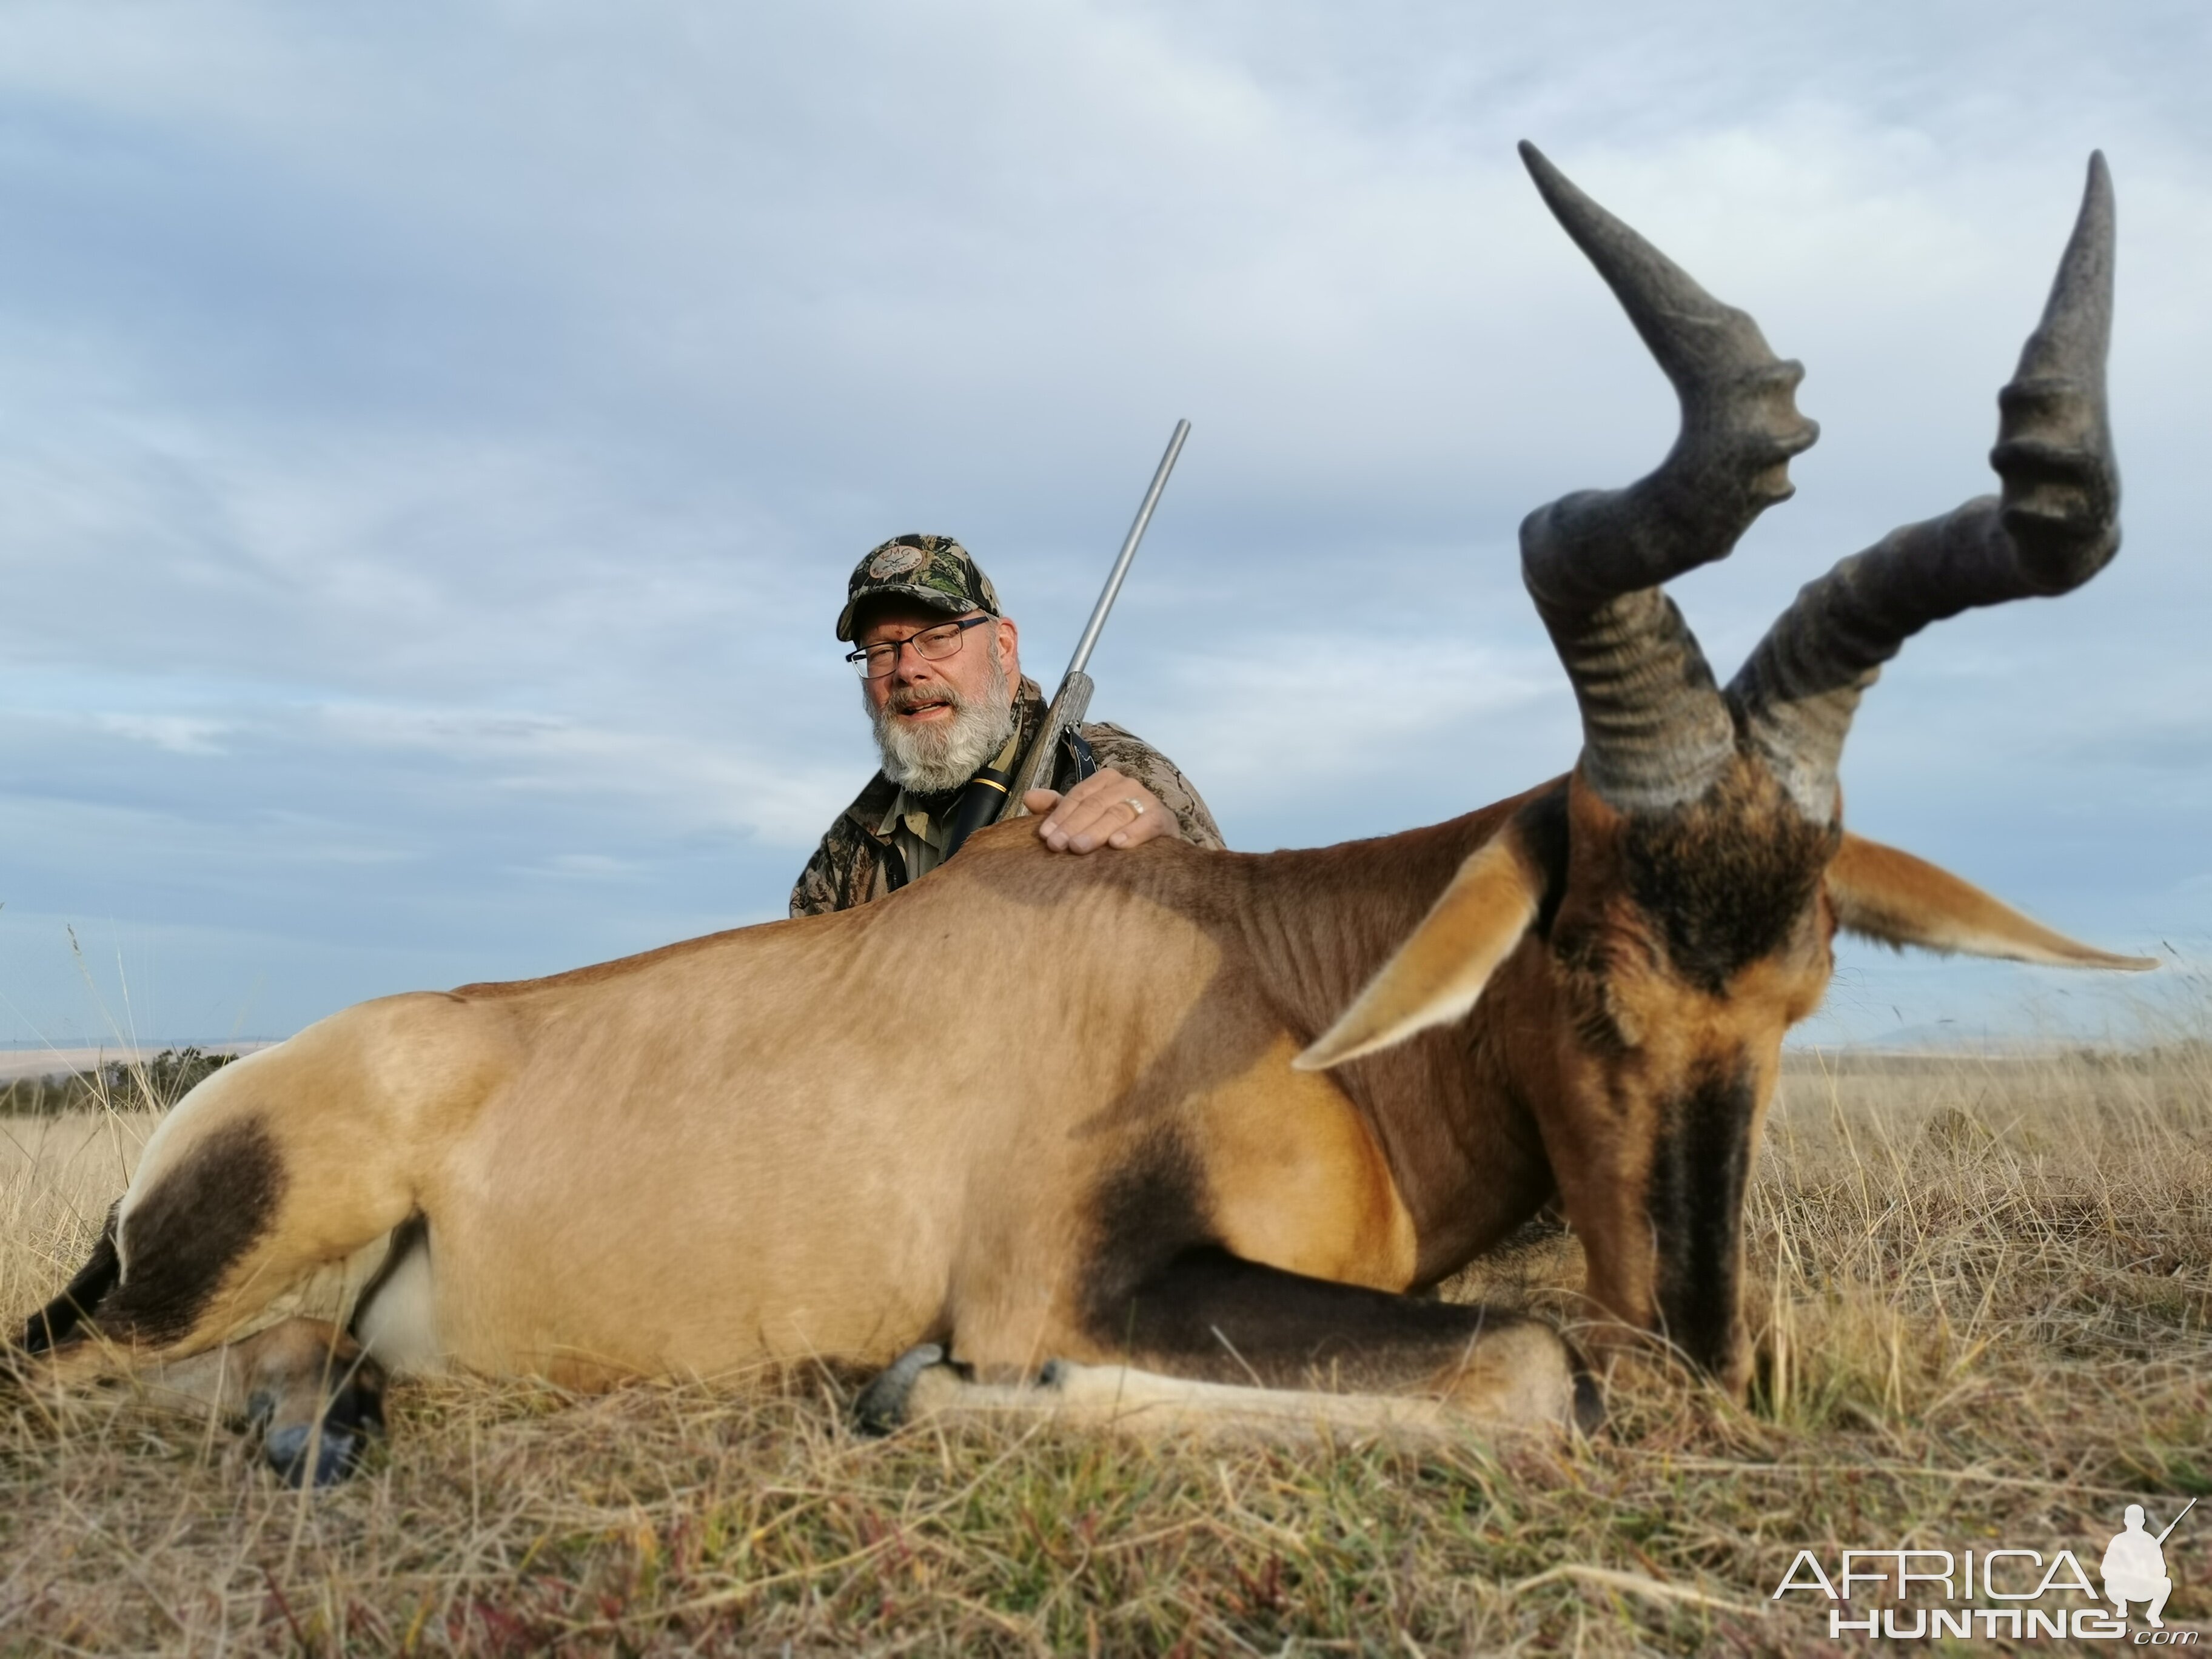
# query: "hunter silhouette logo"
2134,1566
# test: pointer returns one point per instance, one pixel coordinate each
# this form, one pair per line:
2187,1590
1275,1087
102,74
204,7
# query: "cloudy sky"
433,438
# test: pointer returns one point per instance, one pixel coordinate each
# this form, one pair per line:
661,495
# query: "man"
2135,1568
941,678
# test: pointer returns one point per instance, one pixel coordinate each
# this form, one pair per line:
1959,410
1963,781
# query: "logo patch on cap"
894,561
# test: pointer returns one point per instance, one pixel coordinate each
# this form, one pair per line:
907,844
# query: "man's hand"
1107,809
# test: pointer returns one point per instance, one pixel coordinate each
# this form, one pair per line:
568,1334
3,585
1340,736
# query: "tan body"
783,1183
669,1165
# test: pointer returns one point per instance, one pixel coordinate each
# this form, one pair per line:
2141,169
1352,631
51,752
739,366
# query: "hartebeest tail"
1266,1098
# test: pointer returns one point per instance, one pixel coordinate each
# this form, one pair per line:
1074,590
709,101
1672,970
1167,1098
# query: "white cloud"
739,786
180,734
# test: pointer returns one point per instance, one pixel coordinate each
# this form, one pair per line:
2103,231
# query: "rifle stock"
1069,705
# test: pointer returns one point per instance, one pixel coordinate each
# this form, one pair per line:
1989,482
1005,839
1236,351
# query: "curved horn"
2056,525
1655,730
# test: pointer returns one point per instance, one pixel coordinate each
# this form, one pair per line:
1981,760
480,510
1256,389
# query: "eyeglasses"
873,662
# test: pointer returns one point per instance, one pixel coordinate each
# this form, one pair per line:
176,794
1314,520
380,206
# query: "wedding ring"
1133,804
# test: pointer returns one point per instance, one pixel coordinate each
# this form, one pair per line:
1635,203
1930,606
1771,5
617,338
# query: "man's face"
937,720
914,694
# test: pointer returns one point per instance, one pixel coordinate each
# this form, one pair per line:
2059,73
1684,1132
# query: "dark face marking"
54,1322
1700,1168
1729,880
185,1234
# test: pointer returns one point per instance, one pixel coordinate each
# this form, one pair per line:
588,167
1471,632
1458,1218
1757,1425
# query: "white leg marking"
398,1325
1536,1391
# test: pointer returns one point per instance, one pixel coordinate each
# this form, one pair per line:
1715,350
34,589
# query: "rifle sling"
985,797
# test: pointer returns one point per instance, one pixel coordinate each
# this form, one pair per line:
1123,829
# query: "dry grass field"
1985,1287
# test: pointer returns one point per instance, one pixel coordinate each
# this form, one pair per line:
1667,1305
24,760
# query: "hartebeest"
1268,1098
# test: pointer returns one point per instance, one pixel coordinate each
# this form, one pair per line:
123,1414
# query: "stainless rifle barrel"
1096,625
2170,1525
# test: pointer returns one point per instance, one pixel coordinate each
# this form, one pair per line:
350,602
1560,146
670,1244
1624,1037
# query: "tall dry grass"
1984,1286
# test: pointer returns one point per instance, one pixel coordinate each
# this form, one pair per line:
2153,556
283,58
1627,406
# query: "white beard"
945,754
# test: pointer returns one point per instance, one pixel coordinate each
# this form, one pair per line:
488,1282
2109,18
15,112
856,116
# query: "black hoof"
881,1407
301,1458
352,1420
1590,1414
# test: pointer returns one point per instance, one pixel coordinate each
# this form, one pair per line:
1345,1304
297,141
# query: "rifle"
994,795
2176,1521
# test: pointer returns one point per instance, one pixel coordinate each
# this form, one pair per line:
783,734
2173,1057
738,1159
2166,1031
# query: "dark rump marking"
190,1229
1729,879
53,1323
1695,1200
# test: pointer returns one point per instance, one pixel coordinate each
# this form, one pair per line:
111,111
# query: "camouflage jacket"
854,862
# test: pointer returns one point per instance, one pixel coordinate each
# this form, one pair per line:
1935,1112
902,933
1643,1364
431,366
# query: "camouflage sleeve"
835,872
1133,757
815,892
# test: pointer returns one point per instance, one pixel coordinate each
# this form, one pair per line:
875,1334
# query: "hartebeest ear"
1883,894
1441,969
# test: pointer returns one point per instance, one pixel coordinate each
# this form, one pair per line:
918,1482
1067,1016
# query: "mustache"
903,697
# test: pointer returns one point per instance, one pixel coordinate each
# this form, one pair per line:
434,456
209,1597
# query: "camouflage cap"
932,570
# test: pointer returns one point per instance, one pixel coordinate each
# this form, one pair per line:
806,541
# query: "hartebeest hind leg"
274,1189
303,1386
1212,1341
306,1387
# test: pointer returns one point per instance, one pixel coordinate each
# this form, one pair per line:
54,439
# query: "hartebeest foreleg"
1216,1342
1510,1380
